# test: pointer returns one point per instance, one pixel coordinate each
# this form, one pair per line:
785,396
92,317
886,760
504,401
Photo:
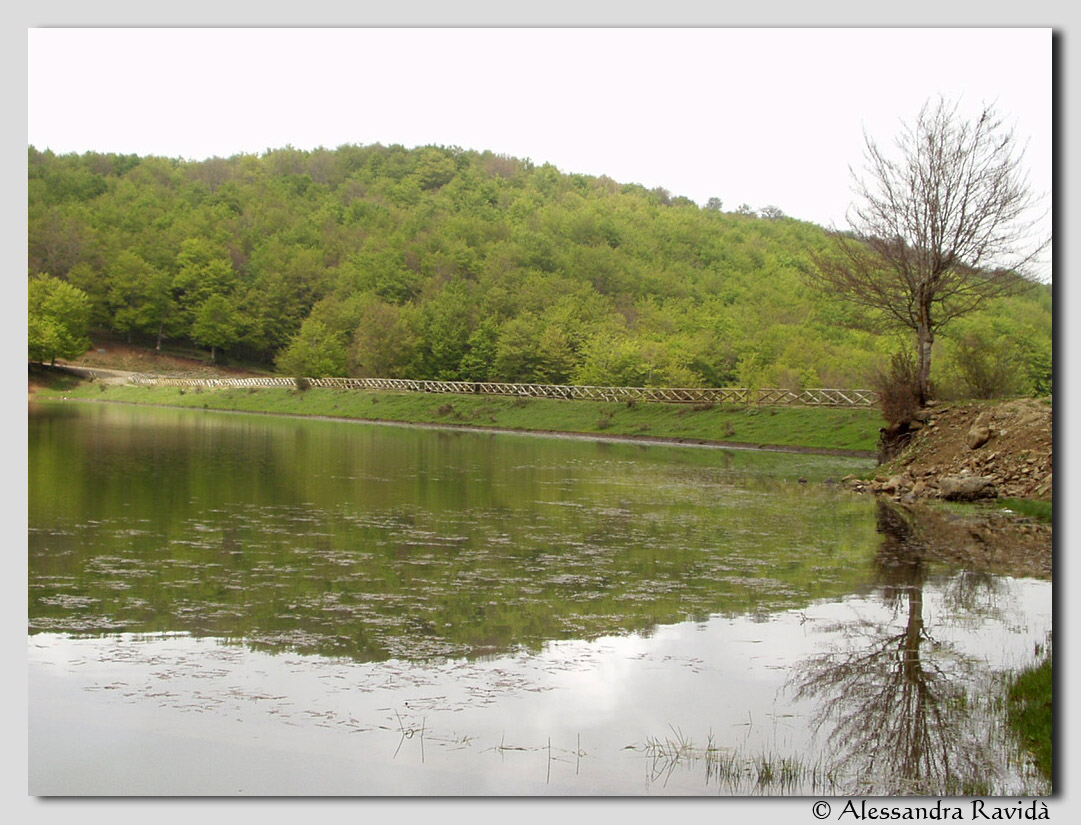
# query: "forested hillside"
449,264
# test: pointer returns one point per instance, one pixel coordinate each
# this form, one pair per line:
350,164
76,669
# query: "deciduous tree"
216,324
314,352
57,319
939,228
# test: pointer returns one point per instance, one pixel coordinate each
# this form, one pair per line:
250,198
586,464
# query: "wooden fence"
669,395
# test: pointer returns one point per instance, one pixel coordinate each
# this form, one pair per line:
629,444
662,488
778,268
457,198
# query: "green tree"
204,269
314,352
384,341
57,318
435,167
532,351
140,298
478,363
58,238
284,283
614,359
216,324
84,276
445,325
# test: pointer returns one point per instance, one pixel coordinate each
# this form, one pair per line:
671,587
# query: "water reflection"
379,543
900,707
225,604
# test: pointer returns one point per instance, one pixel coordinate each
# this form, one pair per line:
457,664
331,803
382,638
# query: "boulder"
967,488
895,483
978,435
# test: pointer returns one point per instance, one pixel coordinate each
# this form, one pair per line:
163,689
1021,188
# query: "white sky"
756,116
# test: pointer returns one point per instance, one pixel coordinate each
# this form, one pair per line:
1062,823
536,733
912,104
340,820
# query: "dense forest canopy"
444,263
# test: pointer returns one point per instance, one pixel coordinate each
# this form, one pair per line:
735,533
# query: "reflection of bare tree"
976,595
892,699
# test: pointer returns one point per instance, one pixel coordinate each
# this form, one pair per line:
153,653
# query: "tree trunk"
161,330
924,341
912,666
213,354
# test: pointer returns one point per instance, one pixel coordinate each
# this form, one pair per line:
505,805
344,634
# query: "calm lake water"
246,605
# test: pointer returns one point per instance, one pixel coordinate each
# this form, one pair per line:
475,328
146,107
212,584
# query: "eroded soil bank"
971,451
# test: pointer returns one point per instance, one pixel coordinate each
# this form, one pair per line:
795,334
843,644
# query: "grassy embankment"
1030,713
819,428
1039,510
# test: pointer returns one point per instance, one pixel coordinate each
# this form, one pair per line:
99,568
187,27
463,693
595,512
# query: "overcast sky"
756,116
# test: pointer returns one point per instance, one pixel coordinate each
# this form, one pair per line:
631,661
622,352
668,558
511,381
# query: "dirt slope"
118,356
1008,443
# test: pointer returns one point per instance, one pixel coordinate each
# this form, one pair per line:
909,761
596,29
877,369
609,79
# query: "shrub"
899,398
302,383
898,389
986,371
1040,373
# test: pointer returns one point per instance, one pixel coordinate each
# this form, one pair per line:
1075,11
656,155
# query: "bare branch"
941,226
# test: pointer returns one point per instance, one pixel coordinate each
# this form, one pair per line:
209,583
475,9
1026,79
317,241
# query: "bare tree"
944,226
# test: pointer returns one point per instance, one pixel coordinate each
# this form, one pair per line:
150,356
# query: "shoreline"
671,441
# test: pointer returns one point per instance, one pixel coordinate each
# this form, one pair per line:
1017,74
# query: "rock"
978,435
967,488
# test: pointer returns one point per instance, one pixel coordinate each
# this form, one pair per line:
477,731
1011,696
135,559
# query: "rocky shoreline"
969,452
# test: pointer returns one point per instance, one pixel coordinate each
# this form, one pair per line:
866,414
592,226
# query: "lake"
248,605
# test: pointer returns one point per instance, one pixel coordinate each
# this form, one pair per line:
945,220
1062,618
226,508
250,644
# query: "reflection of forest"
893,701
378,542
